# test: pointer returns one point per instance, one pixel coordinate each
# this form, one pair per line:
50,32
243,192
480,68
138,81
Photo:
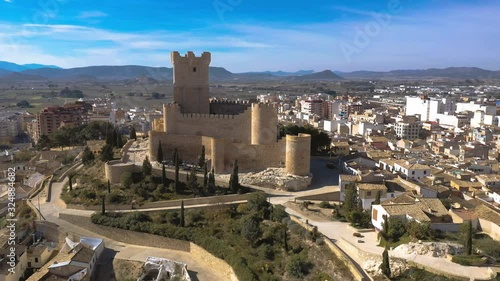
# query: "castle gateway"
247,132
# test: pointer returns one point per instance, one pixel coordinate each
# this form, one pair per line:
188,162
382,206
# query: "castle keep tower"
191,82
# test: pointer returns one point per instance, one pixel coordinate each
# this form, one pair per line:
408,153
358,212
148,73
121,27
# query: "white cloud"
8,1
92,14
432,39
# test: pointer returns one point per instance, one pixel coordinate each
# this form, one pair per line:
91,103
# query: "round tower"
264,124
169,117
298,154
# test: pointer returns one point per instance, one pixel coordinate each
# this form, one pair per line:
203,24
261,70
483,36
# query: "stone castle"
251,135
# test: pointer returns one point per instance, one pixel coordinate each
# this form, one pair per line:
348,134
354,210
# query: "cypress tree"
119,140
109,135
159,154
285,239
147,168
177,164
350,198
107,153
385,228
133,134
109,187
211,182
182,213
234,182
386,266
205,176
468,239
114,138
163,177
192,181
201,158
103,209
174,155
377,198
70,183
87,156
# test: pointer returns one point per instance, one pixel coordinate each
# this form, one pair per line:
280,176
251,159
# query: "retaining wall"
355,271
213,200
127,236
214,262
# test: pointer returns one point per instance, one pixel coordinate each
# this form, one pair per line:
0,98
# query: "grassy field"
40,95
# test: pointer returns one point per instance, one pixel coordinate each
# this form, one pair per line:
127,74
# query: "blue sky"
254,35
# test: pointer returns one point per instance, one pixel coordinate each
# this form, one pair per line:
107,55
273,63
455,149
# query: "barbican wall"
220,153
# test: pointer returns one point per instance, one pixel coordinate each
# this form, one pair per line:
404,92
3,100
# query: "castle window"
194,69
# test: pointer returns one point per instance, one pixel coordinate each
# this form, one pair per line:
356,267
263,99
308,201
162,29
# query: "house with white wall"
408,207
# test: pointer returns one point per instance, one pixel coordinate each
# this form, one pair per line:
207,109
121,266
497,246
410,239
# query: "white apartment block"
473,107
456,121
428,108
481,118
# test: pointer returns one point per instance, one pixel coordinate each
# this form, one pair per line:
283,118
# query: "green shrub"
115,197
278,213
126,179
472,260
325,205
250,228
297,266
418,230
194,217
321,276
488,246
396,229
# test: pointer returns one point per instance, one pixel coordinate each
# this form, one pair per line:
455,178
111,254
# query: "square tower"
191,82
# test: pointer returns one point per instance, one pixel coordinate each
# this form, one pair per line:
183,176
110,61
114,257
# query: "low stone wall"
214,262
213,200
73,168
127,236
48,230
446,227
355,271
492,229
329,196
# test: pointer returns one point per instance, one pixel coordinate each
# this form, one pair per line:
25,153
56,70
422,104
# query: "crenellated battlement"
264,105
229,102
190,57
172,105
206,116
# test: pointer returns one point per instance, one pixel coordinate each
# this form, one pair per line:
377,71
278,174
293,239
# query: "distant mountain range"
450,72
9,66
34,72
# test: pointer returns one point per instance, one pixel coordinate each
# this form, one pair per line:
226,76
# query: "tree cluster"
79,135
352,208
320,141
67,93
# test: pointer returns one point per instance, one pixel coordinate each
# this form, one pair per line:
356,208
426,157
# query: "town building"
50,119
407,127
407,207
